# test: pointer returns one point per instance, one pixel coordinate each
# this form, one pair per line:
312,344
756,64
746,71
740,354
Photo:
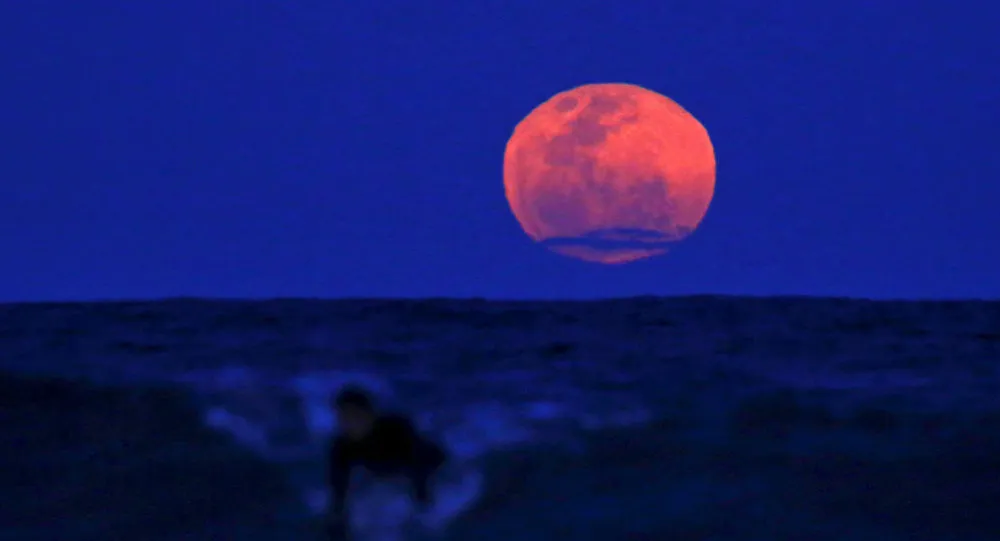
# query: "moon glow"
609,173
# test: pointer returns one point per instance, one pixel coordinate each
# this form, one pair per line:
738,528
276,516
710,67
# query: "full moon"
609,173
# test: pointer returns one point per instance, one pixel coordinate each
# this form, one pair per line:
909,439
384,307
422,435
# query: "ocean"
645,419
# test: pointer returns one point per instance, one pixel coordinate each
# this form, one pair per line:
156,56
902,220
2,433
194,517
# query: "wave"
289,420
634,419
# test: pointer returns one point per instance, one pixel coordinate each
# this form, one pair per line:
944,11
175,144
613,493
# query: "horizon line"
492,300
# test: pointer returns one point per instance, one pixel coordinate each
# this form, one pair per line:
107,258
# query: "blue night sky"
341,149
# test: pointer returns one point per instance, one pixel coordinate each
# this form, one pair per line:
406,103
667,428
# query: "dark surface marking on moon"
561,210
636,205
561,151
603,104
567,104
587,129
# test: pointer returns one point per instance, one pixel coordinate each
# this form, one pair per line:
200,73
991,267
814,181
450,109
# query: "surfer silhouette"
385,445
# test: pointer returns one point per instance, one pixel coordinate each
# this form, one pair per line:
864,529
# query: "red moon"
609,173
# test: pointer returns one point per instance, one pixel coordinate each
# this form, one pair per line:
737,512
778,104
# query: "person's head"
355,412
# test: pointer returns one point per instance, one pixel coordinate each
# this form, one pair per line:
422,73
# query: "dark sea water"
697,418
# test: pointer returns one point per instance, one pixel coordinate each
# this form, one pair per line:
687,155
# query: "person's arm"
428,458
340,475
423,458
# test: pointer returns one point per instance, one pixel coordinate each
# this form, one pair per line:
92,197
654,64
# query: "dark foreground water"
677,419
82,462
